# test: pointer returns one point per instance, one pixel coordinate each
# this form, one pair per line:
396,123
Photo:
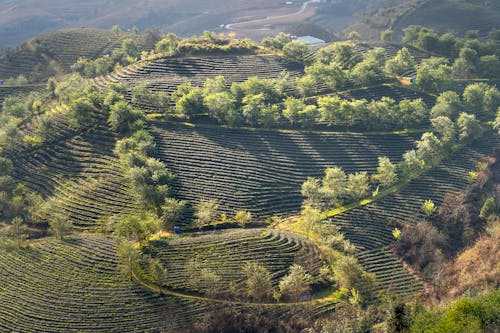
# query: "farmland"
211,184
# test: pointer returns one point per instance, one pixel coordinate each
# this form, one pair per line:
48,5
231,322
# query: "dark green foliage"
125,119
474,315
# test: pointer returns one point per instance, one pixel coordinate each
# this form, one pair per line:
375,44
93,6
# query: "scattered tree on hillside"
428,207
296,284
60,225
242,218
358,185
172,210
205,212
258,281
386,172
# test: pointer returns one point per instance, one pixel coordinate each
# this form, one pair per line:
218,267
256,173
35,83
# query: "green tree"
428,207
311,190
157,272
242,218
125,119
295,51
172,210
205,212
448,104
468,127
310,217
296,284
386,35
348,274
334,185
258,281
293,106
358,185
434,75
411,161
167,44
219,105
130,48
129,258
489,209
190,103
386,172
332,74
81,112
445,129
401,64
428,148
60,225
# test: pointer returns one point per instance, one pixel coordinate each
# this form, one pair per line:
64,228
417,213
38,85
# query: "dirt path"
267,20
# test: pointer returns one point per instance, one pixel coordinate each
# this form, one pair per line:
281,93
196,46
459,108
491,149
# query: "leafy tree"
434,75
143,96
428,147
386,172
258,281
172,210
348,274
335,185
411,161
332,74
305,85
468,127
465,65
157,272
60,225
190,103
125,119
252,107
17,231
448,104
296,284
401,64
310,217
219,104
277,42
295,51
242,217
445,129
130,48
358,185
129,258
81,112
386,35
489,209
167,44
340,53
205,212
496,123
293,106
211,283
311,190
150,179
370,68
428,207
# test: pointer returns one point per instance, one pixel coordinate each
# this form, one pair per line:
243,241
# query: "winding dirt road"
267,20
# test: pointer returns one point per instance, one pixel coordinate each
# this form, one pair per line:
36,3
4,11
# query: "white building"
311,41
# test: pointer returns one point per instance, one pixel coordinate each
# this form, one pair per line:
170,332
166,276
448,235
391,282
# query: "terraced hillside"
75,286
369,227
62,48
225,252
262,171
16,91
166,74
55,286
81,174
452,15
